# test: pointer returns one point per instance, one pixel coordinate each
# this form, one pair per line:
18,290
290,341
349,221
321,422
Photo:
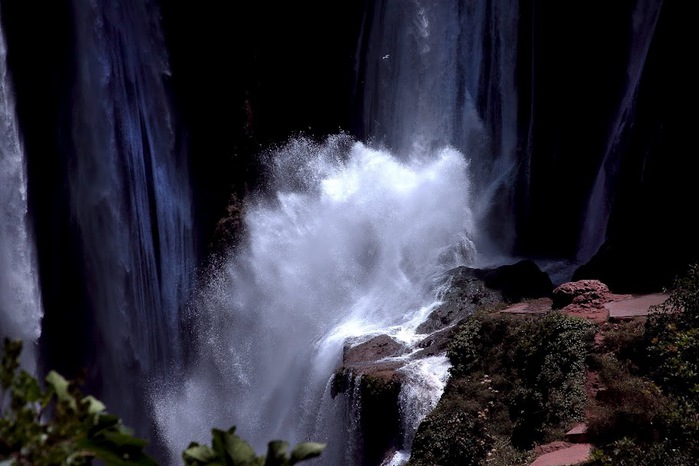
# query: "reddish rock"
578,434
583,293
575,454
551,447
585,298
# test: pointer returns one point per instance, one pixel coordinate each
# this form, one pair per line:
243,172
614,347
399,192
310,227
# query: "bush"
452,434
515,381
649,413
672,338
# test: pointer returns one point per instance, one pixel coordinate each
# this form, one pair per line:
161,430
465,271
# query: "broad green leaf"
60,387
306,450
199,454
95,406
114,456
104,422
276,453
122,440
233,450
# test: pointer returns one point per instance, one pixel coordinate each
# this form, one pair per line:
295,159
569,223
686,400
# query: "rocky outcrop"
372,383
369,358
369,375
467,288
464,292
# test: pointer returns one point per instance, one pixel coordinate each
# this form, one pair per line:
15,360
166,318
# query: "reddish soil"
619,307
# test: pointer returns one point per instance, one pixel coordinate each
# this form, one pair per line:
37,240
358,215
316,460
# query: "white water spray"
351,244
20,301
444,73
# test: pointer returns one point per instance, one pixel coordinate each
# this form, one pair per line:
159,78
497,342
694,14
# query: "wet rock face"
470,288
369,359
371,351
465,292
372,383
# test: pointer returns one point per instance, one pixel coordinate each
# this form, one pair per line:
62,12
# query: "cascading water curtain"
444,73
131,199
643,21
20,301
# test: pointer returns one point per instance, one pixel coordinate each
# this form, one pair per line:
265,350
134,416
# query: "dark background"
246,75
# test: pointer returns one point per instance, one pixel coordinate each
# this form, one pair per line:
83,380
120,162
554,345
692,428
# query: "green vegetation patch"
516,381
647,412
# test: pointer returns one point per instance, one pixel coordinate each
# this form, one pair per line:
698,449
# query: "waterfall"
351,243
596,216
351,238
131,199
436,73
20,301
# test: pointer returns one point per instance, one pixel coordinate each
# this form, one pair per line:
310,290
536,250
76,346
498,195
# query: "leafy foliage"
672,336
514,381
229,449
59,425
649,413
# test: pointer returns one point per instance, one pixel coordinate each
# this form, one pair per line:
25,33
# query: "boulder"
368,358
585,298
584,293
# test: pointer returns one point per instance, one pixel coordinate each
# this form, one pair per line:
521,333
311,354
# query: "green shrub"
515,381
548,359
629,407
626,452
648,413
452,434
58,425
672,338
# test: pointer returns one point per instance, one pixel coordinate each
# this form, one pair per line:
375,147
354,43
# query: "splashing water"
351,243
444,73
20,301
